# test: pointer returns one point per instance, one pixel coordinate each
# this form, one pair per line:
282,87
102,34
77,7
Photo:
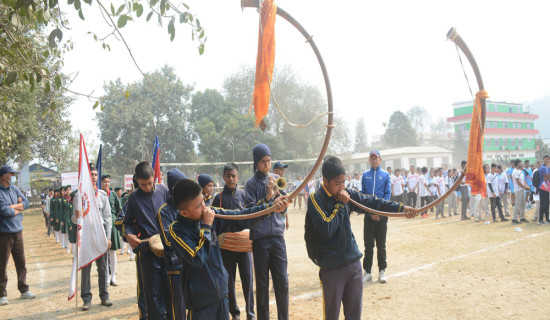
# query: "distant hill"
542,108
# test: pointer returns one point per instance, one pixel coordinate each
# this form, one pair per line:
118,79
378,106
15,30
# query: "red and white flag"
92,241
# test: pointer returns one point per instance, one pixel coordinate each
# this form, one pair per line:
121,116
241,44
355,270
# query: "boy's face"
335,184
499,171
264,164
279,171
231,177
374,161
146,185
105,184
119,193
413,170
68,192
207,190
193,208
93,175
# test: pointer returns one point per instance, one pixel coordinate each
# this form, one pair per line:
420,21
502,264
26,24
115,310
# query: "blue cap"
174,176
7,169
280,164
374,152
204,179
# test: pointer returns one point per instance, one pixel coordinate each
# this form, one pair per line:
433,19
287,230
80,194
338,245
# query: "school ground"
438,269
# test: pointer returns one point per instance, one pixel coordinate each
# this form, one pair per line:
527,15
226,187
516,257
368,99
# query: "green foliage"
29,128
542,149
399,132
361,139
129,124
419,118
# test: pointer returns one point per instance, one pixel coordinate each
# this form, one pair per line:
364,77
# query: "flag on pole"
91,239
156,160
98,167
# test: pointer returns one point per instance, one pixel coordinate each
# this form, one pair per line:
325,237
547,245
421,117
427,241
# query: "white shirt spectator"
494,181
397,184
412,179
502,181
518,174
422,190
440,182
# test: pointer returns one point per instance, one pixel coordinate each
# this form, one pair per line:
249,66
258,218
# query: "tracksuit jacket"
272,225
205,278
331,220
9,222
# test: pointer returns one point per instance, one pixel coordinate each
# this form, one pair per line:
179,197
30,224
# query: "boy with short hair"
330,241
233,198
194,236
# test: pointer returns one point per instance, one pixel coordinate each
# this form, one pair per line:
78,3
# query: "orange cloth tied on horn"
265,61
475,176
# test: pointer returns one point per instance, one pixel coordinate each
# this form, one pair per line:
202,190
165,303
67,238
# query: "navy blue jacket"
140,217
331,221
272,225
167,214
205,278
230,199
9,221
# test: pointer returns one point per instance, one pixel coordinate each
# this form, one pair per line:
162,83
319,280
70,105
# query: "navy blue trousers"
141,297
176,308
154,281
270,255
218,311
244,260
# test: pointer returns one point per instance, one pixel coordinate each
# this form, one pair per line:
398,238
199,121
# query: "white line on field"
318,293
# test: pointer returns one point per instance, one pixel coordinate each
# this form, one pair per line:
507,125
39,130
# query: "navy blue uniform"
269,250
235,199
141,219
205,278
168,214
337,252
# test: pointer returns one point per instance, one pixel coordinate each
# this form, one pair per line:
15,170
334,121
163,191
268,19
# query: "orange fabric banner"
265,61
475,177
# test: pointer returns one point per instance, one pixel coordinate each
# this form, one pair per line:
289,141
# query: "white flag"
91,239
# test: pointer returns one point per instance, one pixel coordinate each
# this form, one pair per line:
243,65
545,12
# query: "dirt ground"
437,269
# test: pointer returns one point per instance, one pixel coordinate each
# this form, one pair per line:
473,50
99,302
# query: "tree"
129,125
542,149
399,132
460,147
361,139
442,131
419,119
29,130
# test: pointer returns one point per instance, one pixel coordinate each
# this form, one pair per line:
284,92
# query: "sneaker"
106,303
495,220
382,277
113,283
503,219
524,220
443,216
3,301
540,222
515,221
86,306
27,295
367,277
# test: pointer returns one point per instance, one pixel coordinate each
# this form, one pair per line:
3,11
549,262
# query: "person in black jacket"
194,238
337,253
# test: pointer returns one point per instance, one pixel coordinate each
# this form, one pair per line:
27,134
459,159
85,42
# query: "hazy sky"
381,56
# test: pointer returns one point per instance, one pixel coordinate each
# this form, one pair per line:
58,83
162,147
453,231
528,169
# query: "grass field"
437,269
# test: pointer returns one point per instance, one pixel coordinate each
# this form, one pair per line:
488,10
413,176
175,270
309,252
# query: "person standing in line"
528,174
504,190
493,193
511,183
397,186
412,181
424,191
12,205
47,206
544,190
464,194
439,182
375,181
519,186
101,262
232,249
449,182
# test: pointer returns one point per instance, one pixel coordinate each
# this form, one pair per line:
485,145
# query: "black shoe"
113,283
503,219
515,221
106,303
495,220
524,220
86,306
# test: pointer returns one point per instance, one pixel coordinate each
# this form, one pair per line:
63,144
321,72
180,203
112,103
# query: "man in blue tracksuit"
375,181
141,220
268,247
167,214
